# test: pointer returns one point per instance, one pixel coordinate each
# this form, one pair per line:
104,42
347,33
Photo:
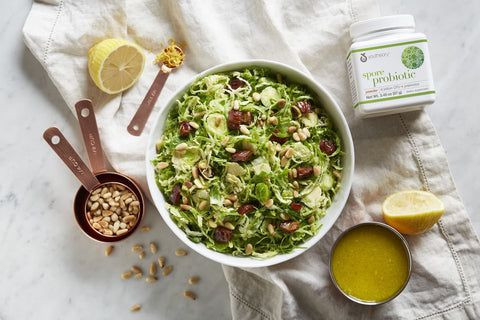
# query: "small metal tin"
397,235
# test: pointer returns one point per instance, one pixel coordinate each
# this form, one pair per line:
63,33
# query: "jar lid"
386,23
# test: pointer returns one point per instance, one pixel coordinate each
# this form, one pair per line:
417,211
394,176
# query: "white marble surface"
50,270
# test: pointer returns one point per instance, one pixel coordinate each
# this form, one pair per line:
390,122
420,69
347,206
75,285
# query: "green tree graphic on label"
412,57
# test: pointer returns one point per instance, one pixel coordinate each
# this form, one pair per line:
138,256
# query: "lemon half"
412,211
115,64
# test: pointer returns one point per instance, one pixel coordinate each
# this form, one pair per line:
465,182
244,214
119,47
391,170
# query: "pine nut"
162,165
278,147
294,173
126,275
306,132
194,125
121,231
236,105
244,130
199,114
282,153
185,207
161,262
189,295
271,228
218,121
138,275
108,251
94,206
136,269
295,136
289,153
229,226
145,229
167,271
296,185
296,194
231,150
316,170
202,205
248,249
142,255
189,184
180,253
135,307
153,248
284,161
302,136
227,202
225,141
269,203
212,223
263,117
151,279
195,173
283,216
337,174
273,120
311,219
193,280
153,268
292,129
182,146
256,96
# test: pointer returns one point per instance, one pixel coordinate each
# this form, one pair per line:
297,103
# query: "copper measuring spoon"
90,182
93,145
140,118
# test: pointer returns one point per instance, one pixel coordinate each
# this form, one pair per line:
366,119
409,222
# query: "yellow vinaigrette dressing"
370,263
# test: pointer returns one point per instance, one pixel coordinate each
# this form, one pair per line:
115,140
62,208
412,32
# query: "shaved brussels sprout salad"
248,163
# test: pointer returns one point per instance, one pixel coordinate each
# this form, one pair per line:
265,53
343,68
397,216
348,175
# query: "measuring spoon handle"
91,137
65,151
140,118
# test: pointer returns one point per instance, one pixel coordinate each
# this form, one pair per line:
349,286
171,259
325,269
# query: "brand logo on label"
412,57
363,57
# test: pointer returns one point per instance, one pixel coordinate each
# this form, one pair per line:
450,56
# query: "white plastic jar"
389,67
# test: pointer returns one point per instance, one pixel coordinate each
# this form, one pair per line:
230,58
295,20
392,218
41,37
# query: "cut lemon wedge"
115,65
412,211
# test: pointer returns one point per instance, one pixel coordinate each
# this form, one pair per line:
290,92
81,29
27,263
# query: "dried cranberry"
296,206
304,106
222,234
304,172
241,155
236,83
278,139
246,208
175,195
289,226
234,119
185,129
327,147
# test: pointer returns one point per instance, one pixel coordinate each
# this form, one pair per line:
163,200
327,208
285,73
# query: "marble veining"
50,270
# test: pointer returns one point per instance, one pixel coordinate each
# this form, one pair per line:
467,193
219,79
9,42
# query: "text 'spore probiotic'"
389,66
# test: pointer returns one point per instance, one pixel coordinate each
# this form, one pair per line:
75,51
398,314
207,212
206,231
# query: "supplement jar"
389,66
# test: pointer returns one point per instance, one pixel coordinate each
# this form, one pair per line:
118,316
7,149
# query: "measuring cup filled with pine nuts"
109,206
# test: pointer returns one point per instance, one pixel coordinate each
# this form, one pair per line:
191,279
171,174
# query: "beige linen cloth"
392,153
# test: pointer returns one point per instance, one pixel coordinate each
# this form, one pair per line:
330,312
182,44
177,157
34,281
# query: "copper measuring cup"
91,180
139,120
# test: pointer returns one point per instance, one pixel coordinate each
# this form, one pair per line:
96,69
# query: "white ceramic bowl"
335,114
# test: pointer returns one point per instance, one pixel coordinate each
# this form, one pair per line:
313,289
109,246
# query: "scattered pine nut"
136,269
271,228
136,307
145,229
311,219
269,203
153,269
193,280
153,248
137,248
127,275
142,255
248,249
108,250
138,275
231,150
151,279
161,262
167,271
180,253
189,295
